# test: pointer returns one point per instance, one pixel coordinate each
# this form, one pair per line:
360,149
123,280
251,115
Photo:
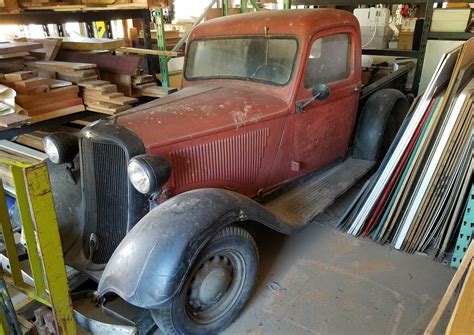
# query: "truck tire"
217,287
379,121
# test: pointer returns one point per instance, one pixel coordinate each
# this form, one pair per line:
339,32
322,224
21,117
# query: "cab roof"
300,22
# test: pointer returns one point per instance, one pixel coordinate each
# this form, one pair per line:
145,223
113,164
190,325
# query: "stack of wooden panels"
102,96
43,98
69,71
416,197
12,53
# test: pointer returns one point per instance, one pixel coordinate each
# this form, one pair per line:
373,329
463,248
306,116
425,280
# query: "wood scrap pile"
43,97
12,53
102,96
69,71
415,199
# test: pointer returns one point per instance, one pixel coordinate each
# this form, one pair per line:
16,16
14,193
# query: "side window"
329,60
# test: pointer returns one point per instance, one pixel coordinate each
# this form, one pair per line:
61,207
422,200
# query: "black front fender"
150,265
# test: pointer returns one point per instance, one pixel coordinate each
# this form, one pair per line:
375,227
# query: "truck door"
322,131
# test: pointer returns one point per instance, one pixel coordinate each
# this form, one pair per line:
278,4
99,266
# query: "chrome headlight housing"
148,173
61,147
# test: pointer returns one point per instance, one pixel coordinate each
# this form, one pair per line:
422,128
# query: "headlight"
148,173
61,147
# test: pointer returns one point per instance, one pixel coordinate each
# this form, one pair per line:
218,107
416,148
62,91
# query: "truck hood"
199,111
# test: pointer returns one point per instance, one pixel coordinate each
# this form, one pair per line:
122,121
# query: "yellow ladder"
38,218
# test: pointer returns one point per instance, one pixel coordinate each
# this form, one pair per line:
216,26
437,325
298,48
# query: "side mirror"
321,92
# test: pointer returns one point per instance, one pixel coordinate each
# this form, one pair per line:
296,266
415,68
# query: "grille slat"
105,190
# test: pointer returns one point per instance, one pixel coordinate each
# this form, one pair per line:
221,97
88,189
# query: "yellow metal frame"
38,217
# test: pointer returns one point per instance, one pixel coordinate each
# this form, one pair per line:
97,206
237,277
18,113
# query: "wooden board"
465,263
56,83
88,44
34,100
14,55
54,107
104,107
122,64
50,48
14,47
57,65
116,100
147,52
32,90
57,113
30,83
123,82
93,83
104,88
158,91
13,120
462,320
20,75
75,79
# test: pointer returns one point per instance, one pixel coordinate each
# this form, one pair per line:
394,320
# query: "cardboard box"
405,41
408,25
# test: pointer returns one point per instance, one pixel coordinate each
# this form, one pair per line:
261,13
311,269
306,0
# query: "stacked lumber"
415,199
12,53
40,96
102,96
68,71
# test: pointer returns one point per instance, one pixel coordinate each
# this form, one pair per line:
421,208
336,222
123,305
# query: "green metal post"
161,43
225,7
255,6
286,4
243,6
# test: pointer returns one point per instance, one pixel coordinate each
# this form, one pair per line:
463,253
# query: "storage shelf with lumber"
85,14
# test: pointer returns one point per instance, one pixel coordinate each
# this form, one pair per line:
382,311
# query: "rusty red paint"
244,135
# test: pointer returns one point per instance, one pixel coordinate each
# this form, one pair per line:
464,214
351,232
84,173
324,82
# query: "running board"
300,204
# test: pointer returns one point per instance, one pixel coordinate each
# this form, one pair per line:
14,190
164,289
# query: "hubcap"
210,282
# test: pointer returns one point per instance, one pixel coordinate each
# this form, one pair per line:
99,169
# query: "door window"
329,60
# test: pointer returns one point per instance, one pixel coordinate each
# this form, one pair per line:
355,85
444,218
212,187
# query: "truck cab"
265,130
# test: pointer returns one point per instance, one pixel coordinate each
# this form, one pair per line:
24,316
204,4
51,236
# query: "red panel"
235,159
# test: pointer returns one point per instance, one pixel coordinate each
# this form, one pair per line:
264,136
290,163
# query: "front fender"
150,265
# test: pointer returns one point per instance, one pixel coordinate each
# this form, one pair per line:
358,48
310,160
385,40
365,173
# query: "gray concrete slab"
323,281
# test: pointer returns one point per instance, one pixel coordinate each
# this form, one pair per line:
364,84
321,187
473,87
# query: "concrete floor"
323,281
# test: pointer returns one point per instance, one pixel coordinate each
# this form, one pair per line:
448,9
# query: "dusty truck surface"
154,203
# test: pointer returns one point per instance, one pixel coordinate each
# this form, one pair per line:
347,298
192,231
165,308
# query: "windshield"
264,59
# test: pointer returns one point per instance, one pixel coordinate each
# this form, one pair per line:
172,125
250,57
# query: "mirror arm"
300,106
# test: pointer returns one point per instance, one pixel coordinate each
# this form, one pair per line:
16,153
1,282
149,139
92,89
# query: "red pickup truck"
154,203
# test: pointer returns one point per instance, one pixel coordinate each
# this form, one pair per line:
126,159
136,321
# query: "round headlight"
148,173
61,147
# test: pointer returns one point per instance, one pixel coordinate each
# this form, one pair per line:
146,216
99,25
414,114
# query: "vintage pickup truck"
154,203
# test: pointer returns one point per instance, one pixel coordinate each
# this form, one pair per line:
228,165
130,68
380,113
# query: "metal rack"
88,16
417,54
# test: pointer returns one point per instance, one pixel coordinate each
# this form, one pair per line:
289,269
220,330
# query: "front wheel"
217,287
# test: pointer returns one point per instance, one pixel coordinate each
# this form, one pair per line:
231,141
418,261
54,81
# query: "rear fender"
150,265
374,122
